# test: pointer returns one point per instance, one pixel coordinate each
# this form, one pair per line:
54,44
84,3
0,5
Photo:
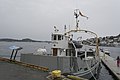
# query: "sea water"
31,47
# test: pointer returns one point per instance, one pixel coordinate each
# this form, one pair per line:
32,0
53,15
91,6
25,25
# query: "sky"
36,19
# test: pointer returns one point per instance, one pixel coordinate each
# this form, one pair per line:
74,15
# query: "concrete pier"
111,64
11,71
16,70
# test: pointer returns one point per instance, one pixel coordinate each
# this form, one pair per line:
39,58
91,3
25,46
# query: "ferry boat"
71,56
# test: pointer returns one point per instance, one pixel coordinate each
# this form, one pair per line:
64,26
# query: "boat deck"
11,71
111,65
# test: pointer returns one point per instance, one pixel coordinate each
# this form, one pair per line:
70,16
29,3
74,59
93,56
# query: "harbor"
59,40
31,47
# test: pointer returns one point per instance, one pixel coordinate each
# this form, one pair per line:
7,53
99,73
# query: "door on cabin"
55,51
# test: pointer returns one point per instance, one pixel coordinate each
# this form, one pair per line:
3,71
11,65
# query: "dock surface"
10,71
16,70
111,65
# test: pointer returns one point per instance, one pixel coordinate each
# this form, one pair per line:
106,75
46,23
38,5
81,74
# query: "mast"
77,13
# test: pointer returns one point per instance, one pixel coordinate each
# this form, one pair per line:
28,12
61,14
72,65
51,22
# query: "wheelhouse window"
54,37
62,37
59,37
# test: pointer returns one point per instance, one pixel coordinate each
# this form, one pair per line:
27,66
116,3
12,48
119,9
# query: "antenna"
77,13
65,28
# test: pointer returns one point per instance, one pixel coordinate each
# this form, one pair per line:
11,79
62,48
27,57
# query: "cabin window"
55,37
52,37
59,37
62,37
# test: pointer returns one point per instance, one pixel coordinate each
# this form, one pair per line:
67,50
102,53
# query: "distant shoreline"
102,41
23,40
